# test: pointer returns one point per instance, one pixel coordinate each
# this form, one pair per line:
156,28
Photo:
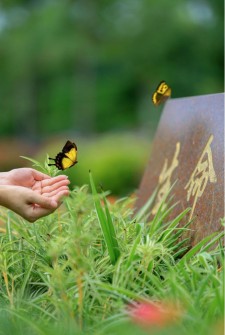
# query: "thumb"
39,175
43,201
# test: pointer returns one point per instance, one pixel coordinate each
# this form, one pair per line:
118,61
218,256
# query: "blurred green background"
85,70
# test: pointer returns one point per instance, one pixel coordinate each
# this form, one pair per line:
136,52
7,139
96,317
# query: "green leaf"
106,225
202,245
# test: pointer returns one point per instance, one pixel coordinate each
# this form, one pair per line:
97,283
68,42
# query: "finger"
37,175
47,185
35,211
53,187
55,192
59,197
42,201
54,180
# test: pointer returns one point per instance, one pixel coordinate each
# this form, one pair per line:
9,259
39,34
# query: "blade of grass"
214,240
113,251
143,211
156,223
134,247
170,229
26,279
200,246
111,229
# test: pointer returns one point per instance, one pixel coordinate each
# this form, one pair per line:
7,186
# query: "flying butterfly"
162,93
67,157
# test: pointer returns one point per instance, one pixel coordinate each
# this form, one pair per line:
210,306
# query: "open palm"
39,182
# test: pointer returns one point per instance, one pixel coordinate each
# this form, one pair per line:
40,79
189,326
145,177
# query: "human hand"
35,180
27,182
28,177
28,203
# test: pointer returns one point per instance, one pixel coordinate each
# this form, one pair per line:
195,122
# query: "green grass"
77,270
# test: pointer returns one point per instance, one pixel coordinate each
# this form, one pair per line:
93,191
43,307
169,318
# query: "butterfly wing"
70,151
162,93
72,155
67,162
67,158
68,146
156,98
58,161
162,87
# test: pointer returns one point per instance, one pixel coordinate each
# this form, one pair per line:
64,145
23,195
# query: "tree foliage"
91,66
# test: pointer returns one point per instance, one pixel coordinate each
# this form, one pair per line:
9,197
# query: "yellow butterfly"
67,158
162,93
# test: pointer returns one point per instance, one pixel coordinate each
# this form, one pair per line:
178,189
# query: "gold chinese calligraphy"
165,178
203,173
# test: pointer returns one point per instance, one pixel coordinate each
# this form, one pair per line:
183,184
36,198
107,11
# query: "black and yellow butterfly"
162,93
67,158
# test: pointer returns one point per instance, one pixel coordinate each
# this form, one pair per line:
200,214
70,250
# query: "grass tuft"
80,269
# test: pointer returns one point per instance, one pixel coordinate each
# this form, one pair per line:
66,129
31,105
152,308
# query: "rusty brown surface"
190,136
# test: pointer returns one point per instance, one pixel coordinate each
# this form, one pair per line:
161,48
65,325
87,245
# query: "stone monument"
189,149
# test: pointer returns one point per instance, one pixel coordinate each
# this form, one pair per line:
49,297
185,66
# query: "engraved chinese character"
203,172
165,178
